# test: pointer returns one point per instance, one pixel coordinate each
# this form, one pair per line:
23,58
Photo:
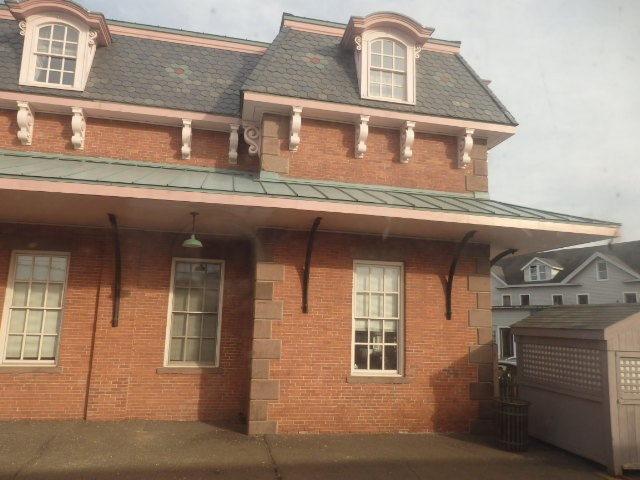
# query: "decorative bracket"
307,265
406,142
233,144
294,128
25,123
362,132
358,41
252,137
78,126
186,139
501,255
23,28
452,270
417,50
465,144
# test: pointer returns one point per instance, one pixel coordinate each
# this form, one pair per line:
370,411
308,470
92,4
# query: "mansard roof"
146,72
313,66
186,75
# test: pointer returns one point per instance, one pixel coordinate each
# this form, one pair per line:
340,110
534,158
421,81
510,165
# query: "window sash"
33,316
377,318
56,52
388,69
602,271
193,336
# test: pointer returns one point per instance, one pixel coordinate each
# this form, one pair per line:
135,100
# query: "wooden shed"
579,366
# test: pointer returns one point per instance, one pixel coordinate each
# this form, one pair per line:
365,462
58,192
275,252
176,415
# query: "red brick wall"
326,152
316,347
113,375
125,140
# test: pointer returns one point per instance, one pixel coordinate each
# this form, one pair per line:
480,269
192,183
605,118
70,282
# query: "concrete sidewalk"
192,450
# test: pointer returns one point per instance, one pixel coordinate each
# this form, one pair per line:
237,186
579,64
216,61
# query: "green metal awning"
424,210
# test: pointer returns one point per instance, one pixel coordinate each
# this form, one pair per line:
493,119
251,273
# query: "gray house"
524,284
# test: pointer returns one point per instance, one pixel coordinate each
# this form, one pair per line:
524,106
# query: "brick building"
336,275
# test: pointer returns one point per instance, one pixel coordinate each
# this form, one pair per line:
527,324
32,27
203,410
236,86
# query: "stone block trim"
484,301
476,183
479,283
481,354
269,272
265,389
480,318
480,390
274,163
272,135
266,349
485,336
268,309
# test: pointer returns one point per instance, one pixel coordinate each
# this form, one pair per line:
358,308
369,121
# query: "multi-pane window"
537,272
601,269
557,299
194,337
583,298
388,69
630,297
525,300
377,317
507,346
56,55
34,316
506,300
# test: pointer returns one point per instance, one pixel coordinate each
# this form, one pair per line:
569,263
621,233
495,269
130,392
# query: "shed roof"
577,317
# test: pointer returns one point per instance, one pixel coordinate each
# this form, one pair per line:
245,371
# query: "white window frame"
602,276
400,341
500,343
509,301
363,62
525,295
578,295
624,297
176,364
4,327
553,295
537,272
84,55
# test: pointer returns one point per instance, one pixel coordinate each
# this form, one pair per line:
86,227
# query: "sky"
568,70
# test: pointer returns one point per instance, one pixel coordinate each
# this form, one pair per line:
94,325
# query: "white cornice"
119,111
257,104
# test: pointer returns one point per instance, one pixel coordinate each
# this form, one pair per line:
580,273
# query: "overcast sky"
568,70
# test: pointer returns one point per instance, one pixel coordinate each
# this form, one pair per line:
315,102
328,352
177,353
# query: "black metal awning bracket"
452,269
501,255
307,265
118,270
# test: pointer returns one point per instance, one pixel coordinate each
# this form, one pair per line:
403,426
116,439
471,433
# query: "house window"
506,343
537,272
194,326
601,270
583,298
56,55
388,69
557,299
525,300
630,297
377,321
506,300
31,327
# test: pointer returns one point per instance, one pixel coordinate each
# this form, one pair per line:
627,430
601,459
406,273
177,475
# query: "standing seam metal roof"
34,166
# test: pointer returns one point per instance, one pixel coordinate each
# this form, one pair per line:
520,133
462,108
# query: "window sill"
18,369
379,380
189,370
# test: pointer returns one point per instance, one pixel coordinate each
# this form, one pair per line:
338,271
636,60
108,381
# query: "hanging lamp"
192,241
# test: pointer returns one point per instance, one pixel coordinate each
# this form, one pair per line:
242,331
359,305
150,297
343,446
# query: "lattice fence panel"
577,369
629,376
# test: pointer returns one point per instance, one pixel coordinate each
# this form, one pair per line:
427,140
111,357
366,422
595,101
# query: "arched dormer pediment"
60,40
386,46
385,21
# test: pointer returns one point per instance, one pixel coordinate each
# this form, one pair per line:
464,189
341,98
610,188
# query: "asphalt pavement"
193,450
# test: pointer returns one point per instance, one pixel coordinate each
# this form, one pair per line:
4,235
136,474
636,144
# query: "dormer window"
388,70
60,40
386,47
56,55
537,272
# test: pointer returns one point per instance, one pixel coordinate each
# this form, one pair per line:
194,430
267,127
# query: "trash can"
511,424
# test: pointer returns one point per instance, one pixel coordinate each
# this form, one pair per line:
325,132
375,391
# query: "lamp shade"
192,242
